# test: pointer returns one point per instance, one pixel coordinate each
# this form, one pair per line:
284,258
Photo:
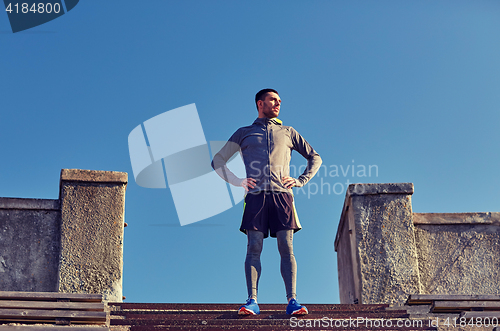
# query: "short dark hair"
262,94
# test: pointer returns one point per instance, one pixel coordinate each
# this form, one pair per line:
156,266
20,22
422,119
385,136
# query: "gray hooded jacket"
266,147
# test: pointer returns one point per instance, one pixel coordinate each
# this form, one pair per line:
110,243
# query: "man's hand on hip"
288,182
248,183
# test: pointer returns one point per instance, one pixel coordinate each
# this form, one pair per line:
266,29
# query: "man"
266,147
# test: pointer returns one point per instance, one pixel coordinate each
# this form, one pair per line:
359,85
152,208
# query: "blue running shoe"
294,308
250,308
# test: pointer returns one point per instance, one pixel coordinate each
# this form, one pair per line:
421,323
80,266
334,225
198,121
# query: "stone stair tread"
30,304
423,299
233,306
52,328
143,320
49,296
481,314
51,307
452,306
224,316
263,328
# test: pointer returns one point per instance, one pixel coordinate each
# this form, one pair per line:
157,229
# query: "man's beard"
270,113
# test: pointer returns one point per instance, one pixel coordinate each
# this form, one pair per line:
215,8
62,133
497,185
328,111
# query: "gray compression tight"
288,264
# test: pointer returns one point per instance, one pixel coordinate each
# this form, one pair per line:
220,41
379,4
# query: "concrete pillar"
29,244
92,222
375,243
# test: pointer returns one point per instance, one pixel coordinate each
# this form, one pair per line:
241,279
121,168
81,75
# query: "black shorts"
269,212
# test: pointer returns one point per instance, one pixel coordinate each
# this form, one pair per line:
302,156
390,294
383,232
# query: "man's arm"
219,165
313,161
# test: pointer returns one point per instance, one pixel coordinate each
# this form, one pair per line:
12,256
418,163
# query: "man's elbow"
318,160
217,162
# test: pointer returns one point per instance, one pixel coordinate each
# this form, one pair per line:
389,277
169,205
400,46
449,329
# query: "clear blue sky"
411,87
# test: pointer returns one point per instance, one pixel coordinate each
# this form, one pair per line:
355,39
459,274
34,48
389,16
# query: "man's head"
268,103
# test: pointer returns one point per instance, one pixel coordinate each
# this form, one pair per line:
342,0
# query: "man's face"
270,106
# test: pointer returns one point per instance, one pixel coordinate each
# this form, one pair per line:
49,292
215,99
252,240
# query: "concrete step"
123,306
165,316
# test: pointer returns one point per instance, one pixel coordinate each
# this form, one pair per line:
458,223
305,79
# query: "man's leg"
252,272
252,261
289,271
288,263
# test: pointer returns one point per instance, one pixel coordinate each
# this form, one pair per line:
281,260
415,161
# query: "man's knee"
285,242
255,242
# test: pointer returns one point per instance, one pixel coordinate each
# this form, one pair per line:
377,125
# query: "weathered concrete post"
29,244
92,222
375,243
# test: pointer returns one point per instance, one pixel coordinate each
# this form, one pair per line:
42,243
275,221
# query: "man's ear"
259,103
